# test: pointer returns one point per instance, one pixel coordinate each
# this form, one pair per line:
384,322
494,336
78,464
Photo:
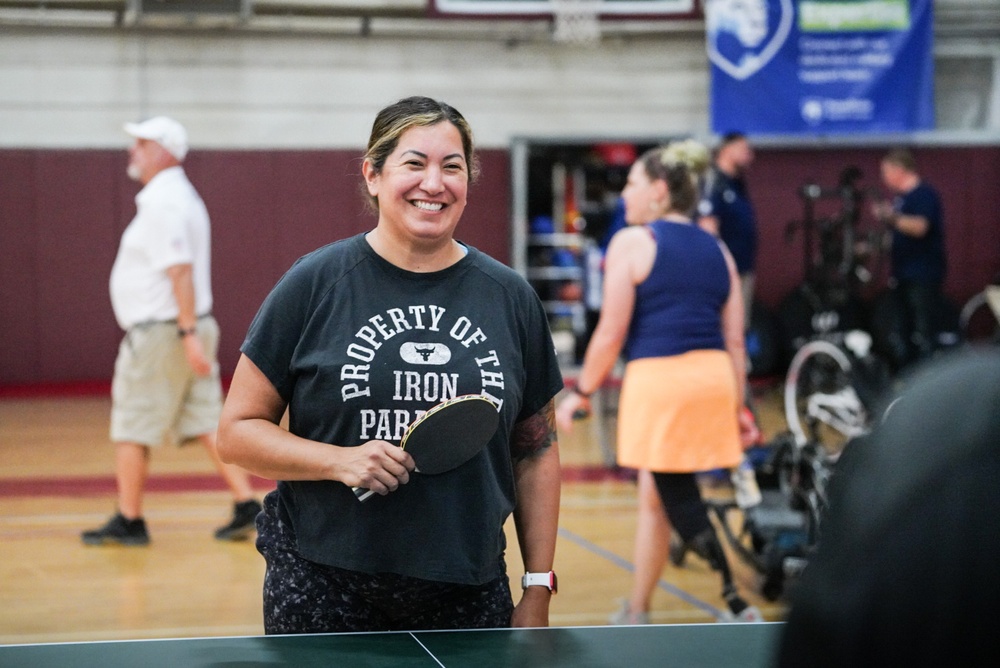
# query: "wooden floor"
56,479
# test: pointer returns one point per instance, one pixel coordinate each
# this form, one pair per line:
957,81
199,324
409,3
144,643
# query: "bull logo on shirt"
425,353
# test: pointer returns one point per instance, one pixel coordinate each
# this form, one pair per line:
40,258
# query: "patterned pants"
301,596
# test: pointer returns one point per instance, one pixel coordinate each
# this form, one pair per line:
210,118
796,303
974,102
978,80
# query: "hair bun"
687,152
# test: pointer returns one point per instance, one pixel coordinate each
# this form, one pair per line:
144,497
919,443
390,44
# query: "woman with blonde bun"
673,306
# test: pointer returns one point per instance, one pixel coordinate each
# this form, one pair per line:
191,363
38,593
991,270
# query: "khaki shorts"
155,395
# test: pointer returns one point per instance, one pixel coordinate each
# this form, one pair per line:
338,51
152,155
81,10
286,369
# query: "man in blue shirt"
726,211
918,256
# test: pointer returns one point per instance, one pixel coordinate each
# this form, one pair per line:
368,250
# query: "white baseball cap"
166,132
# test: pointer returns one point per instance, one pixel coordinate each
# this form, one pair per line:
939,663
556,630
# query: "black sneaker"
244,521
118,530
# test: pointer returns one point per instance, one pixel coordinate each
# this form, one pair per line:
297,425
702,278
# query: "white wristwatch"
547,580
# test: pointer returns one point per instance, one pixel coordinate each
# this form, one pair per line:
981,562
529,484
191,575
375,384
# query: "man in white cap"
166,382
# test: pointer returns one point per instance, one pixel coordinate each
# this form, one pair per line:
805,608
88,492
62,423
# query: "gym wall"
277,125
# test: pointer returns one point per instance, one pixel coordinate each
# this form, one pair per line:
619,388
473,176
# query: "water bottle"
745,485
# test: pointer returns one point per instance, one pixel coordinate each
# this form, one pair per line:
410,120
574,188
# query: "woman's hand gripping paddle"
447,435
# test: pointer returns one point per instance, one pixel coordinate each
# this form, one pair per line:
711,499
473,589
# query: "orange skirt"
677,414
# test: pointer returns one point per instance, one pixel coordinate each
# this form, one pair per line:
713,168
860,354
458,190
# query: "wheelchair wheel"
977,322
821,403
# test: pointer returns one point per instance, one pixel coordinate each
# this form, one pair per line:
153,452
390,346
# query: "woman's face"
423,184
645,199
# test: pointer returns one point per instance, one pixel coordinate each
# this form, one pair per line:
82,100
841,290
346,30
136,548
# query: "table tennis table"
663,646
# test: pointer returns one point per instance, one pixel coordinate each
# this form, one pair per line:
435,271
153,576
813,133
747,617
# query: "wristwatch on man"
547,580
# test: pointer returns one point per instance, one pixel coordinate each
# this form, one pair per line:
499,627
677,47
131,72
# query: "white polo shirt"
170,227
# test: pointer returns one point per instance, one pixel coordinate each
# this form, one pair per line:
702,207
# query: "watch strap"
547,580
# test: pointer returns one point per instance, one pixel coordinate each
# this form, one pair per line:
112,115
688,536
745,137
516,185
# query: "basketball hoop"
576,22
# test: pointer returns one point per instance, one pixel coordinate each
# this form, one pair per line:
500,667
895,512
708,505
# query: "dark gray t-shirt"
357,347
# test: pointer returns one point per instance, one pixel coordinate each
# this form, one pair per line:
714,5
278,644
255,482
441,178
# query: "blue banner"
821,66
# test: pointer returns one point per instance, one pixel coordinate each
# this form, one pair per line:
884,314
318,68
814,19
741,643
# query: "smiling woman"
389,323
420,190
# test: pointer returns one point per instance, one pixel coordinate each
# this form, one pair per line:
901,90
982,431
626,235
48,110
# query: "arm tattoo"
534,434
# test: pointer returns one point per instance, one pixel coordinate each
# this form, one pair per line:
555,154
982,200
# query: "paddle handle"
362,493
365,494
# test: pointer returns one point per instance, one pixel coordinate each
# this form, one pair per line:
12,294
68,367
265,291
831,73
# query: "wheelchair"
831,391
777,536
833,382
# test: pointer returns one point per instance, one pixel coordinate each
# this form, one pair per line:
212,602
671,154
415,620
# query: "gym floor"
58,479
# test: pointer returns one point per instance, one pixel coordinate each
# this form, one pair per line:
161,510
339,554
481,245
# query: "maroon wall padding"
59,222
19,352
62,213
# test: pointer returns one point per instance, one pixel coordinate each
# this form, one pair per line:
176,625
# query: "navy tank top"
678,308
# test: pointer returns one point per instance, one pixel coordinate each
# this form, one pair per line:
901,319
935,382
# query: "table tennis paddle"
447,435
